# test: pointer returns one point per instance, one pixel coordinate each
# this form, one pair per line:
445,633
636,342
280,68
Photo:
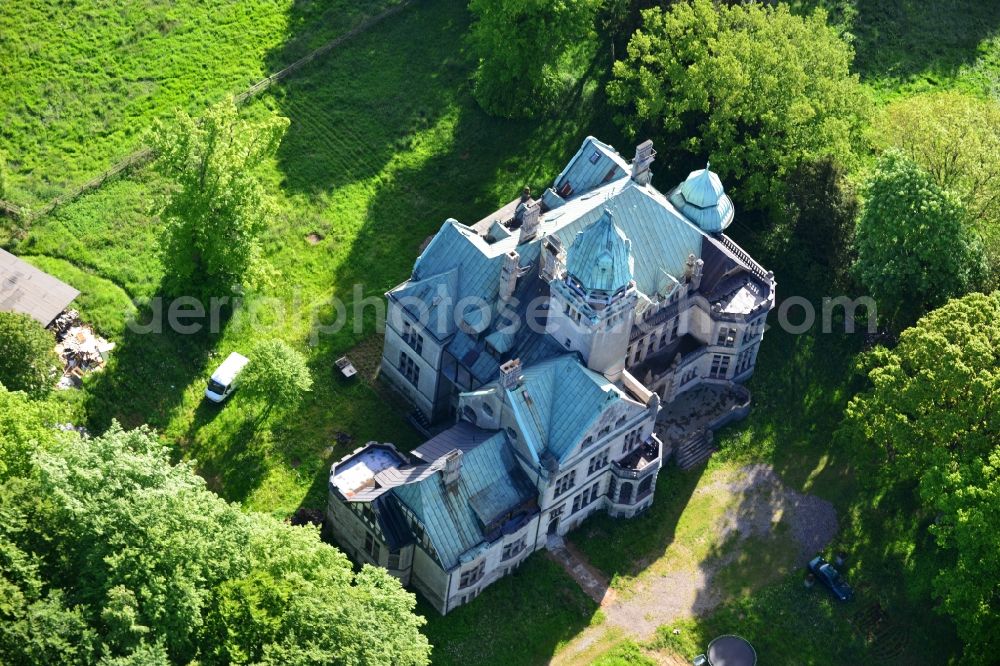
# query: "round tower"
702,200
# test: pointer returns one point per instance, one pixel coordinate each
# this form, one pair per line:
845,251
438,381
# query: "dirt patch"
314,238
781,526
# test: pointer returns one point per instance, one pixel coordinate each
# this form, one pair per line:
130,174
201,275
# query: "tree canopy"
26,426
216,215
530,52
756,88
109,552
276,374
955,137
930,421
822,209
914,249
28,362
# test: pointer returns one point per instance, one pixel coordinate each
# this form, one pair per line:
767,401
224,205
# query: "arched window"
487,409
511,433
625,496
469,414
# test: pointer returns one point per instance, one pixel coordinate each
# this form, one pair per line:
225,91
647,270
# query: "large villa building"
569,344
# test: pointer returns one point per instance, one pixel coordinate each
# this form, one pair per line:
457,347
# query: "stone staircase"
420,422
695,450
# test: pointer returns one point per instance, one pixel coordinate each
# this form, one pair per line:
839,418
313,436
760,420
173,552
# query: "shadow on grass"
907,39
354,109
624,548
521,619
235,467
146,377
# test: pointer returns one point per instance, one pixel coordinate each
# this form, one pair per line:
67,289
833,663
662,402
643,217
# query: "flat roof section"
358,473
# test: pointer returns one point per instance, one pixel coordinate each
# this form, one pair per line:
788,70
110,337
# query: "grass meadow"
385,142
81,83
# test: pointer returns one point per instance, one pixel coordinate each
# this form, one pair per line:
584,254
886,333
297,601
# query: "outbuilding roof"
26,289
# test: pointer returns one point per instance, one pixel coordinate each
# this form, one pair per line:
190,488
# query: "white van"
226,377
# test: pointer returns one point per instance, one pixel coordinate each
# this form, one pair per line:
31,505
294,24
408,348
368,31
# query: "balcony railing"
640,462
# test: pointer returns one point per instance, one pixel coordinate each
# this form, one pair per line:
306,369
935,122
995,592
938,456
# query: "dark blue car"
830,577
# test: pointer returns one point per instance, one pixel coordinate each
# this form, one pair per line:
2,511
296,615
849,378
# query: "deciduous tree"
28,362
277,375
914,249
26,426
530,52
216,215
930,421
955,137
755,87
132,560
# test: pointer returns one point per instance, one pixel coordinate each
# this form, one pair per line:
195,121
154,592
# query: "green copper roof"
702,199
556,402
490,484
595,163
661,239
601,256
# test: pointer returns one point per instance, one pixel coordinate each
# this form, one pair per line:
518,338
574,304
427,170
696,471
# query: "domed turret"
702,199
600,258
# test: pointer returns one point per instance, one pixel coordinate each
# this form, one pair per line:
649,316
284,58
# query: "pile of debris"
65,321
79,347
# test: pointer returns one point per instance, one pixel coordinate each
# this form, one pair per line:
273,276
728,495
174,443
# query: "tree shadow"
146,376
311,23
908,39
354,109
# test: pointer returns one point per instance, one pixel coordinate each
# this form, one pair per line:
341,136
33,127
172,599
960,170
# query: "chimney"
529,220
508,275
644,155
452,469
510,374
553,259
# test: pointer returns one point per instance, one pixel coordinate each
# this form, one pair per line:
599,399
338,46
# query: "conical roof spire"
600,257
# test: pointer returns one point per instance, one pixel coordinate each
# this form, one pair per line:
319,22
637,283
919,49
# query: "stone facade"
550,334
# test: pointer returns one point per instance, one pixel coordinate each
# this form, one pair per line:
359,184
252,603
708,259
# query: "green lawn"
521,620
80,83
909,46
